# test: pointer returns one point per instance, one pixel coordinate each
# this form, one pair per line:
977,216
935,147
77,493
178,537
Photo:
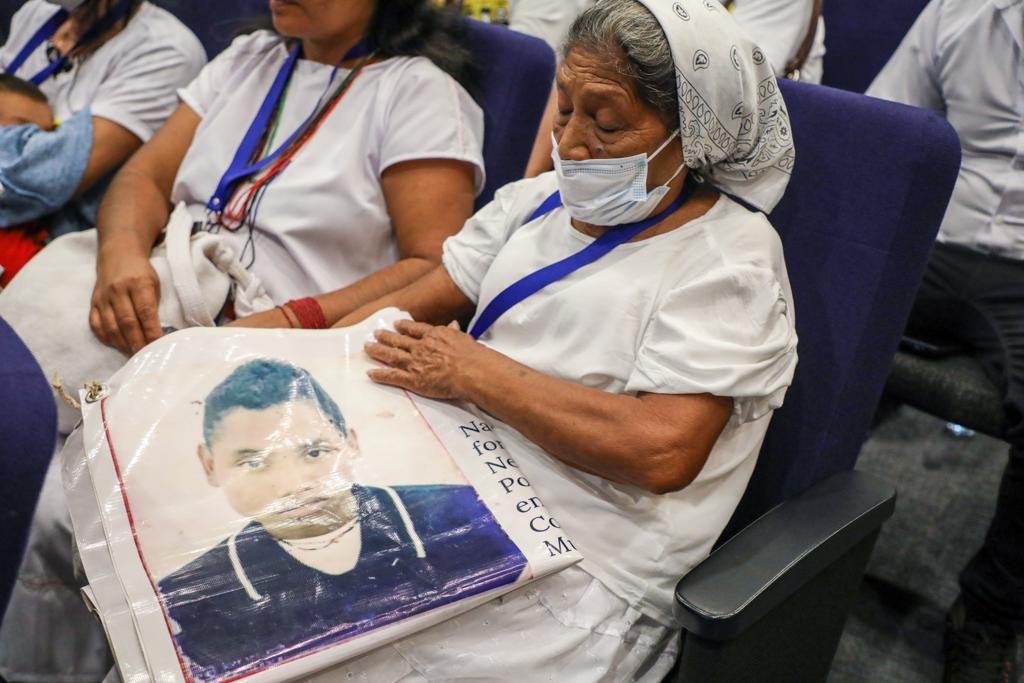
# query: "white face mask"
609,192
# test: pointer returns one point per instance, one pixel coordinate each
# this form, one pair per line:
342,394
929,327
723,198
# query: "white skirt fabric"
48,635
567,627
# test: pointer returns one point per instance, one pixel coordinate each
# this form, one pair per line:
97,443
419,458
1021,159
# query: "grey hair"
610,26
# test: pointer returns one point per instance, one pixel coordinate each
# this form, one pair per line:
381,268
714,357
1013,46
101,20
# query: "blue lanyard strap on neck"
47,30
534,282
44,33
241,166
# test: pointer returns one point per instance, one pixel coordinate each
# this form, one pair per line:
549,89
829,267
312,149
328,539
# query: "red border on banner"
185,670
135,539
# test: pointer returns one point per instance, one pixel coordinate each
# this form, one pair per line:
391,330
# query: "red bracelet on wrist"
309,313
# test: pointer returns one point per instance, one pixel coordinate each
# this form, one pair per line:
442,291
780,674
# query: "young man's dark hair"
264,383
22,102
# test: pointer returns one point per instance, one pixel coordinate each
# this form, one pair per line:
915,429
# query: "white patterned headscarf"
733,122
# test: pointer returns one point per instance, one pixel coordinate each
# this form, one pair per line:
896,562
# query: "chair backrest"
7,10
28,434
217,23
518,74
861,35
869,189
215,29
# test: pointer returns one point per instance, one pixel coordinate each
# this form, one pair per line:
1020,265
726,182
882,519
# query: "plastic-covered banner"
249,505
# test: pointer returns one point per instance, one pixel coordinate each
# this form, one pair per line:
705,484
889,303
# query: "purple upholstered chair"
869,190
28,435
518,73
861,35
217,23
7,10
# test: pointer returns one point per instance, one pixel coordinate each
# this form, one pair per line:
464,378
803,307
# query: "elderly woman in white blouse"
633,334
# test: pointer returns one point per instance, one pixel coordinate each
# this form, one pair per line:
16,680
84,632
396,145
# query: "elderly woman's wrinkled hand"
425,359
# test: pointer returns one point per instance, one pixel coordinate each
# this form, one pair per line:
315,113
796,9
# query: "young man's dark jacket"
247,603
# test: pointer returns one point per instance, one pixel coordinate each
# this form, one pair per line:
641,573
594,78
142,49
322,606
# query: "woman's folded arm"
125,302
428,201
434,298
658,442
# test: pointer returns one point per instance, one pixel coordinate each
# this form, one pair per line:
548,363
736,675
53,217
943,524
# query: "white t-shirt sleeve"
468,255
778,26
142,93
728,333
912,75
548,20
26,21
217,75
430,116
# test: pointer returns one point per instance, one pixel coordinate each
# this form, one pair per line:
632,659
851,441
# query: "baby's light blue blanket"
39,172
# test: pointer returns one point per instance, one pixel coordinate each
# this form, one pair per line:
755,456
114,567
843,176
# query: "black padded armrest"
767,562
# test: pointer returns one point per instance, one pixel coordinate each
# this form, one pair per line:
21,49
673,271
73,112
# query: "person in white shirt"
329,220
548,20
635,385
126,74
780,27
371,156
964,59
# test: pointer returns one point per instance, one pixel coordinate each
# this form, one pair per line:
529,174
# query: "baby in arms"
21,103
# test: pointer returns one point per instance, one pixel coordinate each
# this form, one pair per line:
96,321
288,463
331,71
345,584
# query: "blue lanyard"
534,282
242,166
46,31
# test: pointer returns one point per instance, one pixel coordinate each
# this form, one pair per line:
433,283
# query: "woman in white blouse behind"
335,154
634,331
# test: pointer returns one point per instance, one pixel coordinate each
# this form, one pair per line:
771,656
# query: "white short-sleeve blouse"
705,308
323,223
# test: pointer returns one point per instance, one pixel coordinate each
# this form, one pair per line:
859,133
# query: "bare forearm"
540,157
342,302
658,442
136,206
432,298
112,145
612,436
133,213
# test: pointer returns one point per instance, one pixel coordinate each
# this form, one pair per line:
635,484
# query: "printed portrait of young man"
322,558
